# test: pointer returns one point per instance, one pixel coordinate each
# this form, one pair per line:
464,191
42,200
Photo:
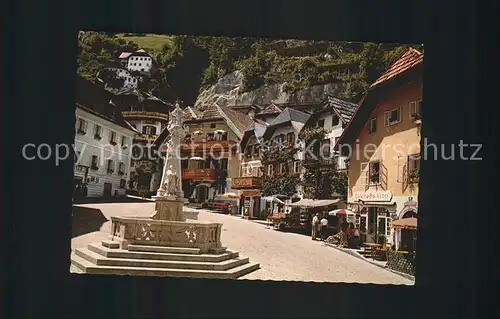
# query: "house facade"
148,116
383,145
102,145
209,154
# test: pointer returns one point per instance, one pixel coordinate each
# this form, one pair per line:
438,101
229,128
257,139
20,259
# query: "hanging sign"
373,196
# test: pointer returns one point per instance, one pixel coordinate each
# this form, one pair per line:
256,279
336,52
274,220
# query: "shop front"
252,204
375,214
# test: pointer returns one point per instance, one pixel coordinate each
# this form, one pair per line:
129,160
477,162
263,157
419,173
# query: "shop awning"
314,202
410,223
378,204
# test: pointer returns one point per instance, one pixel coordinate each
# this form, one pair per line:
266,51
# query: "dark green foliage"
189,64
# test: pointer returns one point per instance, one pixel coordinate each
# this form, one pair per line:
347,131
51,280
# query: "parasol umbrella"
405,223
230,195
198,132
273,199
196,158
219,131
342,212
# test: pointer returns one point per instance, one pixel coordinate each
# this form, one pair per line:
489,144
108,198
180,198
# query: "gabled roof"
124,55
237,121
290,115
294,118
257,129
345,110
189,113
410,60
271,109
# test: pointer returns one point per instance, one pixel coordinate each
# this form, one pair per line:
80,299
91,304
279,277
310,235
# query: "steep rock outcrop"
228,91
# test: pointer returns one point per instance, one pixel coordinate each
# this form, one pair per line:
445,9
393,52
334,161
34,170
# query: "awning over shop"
314,202
379,204
406,223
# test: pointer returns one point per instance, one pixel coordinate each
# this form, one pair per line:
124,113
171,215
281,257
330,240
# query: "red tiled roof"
408,60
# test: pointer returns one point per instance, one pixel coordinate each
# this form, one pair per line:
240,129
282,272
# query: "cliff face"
228,91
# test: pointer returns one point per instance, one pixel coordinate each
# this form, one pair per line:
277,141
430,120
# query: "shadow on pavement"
111,200
86,220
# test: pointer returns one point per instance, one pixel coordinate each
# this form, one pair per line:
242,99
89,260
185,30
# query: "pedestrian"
314,224
324,224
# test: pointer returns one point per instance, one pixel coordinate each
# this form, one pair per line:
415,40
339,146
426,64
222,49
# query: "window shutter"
412,109
364,174
386,119
400,110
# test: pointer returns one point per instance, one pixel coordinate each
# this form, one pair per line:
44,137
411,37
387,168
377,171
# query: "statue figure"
171,181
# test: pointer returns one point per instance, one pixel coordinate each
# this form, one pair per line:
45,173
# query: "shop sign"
250,193
373,196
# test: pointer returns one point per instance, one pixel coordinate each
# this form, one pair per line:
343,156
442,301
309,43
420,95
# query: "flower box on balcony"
97,137
81,132
94,167
110,171
413,176
121,173
112,143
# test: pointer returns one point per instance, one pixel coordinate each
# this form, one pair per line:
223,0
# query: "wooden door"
107,189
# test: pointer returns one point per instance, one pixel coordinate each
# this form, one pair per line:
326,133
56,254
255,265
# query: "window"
290,139
221,136
392,117
296,167
81,126
270,170
112,136
149,130
335,120
213,125
223,164
325,148
94,163
413,166
372,125
121,168
142,69
97,131
110,166
210,137
124,140
374,173
414,109
321,123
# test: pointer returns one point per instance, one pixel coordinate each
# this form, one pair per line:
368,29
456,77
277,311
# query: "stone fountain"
167,243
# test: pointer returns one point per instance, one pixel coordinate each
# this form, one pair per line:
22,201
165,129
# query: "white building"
139,60
130,81
102,149
334,118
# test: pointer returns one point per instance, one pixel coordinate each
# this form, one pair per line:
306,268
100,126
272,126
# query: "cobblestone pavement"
282,255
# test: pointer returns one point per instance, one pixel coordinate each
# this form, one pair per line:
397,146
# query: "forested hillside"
188,64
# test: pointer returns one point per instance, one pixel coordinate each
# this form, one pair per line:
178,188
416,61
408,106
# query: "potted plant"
374,176
97,137
413,175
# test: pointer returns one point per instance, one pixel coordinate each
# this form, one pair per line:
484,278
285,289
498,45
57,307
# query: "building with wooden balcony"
210,155
149,116
383,179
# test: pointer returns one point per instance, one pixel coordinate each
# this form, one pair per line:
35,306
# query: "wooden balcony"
246,182
145,115
200,174
215,146
318,162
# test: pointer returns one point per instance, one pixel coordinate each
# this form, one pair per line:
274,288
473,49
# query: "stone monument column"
170,197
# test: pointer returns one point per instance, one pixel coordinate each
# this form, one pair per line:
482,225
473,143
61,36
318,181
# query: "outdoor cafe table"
374,248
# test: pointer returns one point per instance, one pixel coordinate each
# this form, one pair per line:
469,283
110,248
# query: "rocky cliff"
228,91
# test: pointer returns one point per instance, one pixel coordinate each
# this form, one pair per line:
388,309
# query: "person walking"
314,224
324,224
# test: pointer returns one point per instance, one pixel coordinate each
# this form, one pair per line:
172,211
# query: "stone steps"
143,260
88,267
162,249
100,260
144,254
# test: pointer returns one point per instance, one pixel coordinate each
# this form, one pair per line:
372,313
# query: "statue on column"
171,182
